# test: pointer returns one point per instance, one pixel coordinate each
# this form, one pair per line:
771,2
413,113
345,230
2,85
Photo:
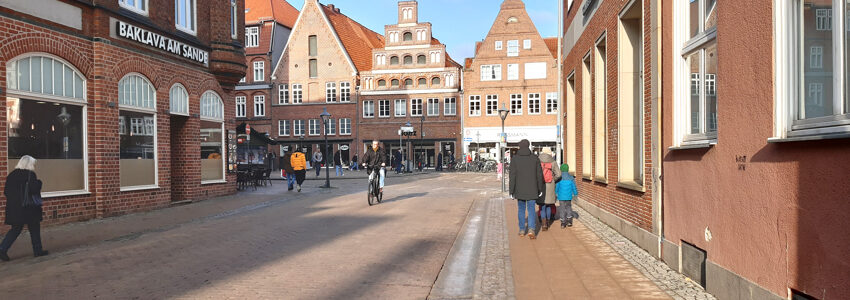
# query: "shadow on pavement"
402,197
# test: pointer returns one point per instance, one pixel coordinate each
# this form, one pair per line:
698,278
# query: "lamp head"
503,112
325,114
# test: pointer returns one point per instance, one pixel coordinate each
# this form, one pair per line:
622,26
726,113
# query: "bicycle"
374,192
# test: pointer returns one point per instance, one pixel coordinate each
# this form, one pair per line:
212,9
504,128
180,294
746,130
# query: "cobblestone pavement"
672,282
320,244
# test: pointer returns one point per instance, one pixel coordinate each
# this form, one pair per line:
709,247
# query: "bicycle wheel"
370,195
380,196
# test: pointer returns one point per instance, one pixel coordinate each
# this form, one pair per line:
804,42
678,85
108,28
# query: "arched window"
212,137
394,83
421,59
178,100
408,83
46,100
382,83
394,60
408,60
423,82
408,36
435,81
138,130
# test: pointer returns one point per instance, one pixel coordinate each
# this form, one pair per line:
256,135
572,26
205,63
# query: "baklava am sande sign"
146,37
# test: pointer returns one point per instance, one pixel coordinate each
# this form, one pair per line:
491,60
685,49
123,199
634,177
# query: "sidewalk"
348,174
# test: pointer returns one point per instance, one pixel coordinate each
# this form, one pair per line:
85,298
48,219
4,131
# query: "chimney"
333,8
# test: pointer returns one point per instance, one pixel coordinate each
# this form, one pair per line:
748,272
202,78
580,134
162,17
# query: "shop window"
137,6
813,97
185,15
400,107
179,100
449,106
137,104
345,126
252,36
416,107
474,106
212,137
45,123
241,104
600,117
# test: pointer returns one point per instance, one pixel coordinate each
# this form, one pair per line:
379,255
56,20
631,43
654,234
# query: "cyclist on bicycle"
376,159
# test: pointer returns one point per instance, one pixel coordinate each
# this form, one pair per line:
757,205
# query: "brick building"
319,70
414,80
123,103
611,138
515,68
268,24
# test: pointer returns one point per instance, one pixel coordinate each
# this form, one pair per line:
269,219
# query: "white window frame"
450,106
299,128
252,36
533,103
552,103
283,93
516,104
192,27
297,93
283,128
369,109
475,102
513,71
344,126
178,100
816,57
492,99
259,71
433,107
330,126
330,92
384,109
143,10
241,106
513,48
683,138
148,109
314,124
498,45
344,91
400,107
492,72
823,19
526,44
414,104
259,106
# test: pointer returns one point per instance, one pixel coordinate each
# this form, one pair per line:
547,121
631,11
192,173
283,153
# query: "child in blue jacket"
566,190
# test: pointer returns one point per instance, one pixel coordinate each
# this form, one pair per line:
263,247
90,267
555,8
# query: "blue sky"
457,23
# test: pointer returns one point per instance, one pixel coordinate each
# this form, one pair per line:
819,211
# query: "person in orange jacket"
299,165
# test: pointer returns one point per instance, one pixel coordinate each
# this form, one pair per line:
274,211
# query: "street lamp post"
410,157
503,113
325,116
421,135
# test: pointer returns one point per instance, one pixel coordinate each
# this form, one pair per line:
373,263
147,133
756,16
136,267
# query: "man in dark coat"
376,158
526,186
286,165
440,162
338,163
19,215
397,161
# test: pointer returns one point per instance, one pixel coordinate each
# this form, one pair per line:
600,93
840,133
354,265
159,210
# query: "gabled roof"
552,43
257,11
467,63
356,39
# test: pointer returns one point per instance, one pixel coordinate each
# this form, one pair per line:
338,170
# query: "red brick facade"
103,59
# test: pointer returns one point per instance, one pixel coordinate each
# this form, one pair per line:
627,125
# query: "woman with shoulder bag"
23,206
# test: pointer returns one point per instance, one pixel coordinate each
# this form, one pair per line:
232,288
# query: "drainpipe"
656,113
559,155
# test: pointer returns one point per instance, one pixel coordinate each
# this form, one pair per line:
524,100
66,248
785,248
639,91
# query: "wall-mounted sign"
343,147
231,151
146,37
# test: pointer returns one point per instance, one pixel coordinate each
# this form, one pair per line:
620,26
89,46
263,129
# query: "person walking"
566,190
397,161
551,175
299,166
338,163
354,166
286,166
526,185
317,162
22,183
440,162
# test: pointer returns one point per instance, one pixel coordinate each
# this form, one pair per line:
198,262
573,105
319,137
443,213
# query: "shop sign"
343,148
146,37
231,150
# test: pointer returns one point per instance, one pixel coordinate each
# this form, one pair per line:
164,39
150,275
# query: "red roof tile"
357,40
467,63
552,43
264,10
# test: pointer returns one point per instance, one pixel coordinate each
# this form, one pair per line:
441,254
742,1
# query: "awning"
256,135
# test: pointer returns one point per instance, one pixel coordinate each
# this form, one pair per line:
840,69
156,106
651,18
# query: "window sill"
814,137
695,145
139,188
586,177
631,185
218,181
64,193
602,180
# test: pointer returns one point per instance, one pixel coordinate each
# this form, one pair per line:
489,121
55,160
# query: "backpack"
548,175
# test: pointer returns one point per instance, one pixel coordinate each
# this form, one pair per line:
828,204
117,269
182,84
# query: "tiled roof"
552,43
281,11
467,63
357,40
